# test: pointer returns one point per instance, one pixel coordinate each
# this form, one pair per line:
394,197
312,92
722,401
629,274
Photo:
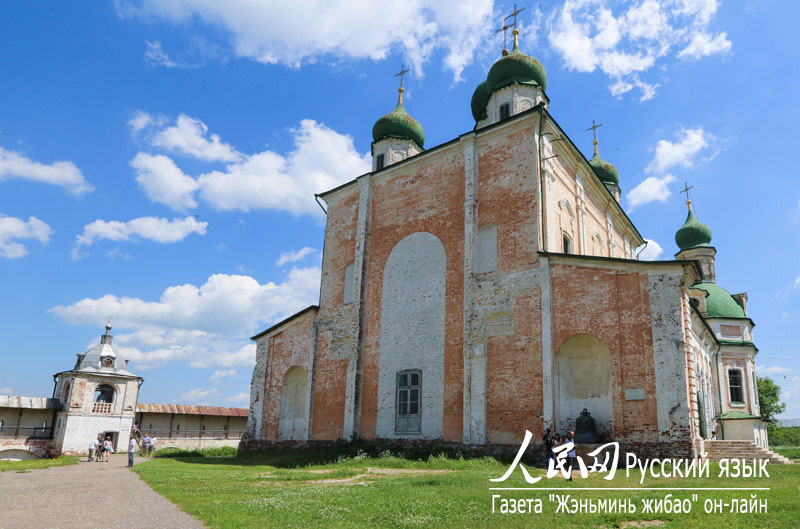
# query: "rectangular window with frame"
379,163
409,397
735,386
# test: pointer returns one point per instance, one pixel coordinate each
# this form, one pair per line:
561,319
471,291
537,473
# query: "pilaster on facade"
356,324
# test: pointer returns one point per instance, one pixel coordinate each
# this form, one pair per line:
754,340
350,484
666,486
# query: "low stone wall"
196,444
38,447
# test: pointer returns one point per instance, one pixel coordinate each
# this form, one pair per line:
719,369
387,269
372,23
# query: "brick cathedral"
490,285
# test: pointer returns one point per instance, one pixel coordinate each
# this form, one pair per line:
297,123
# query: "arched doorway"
293,423
583,380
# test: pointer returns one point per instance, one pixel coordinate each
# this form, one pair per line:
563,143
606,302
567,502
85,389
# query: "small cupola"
516,82
694,241
396,136
604,170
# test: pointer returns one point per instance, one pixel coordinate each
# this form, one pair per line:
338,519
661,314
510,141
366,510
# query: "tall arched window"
103,399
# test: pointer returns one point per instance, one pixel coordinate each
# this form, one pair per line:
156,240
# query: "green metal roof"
736,414
605,171
693,233
719,302
398,124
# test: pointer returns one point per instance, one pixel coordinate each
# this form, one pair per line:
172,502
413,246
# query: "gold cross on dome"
401,73
686,189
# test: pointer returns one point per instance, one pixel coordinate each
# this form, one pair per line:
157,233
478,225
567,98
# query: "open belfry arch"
491,284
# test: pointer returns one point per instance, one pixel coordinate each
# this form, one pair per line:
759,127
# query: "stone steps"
716,450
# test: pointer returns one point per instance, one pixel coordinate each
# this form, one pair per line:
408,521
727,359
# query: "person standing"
548,447
571,453
146,444
107,449
92,449
131,450
153,441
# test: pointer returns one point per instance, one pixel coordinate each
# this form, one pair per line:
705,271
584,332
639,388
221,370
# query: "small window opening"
735,385
566,243
409,386
505,111
379,162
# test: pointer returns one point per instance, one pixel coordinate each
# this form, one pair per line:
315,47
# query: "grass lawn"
37,463
792,452
311,488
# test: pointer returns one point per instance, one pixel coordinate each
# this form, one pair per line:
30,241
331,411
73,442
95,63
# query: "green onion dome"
516,66
398,124
605,171
719,302
479,100
693,233
513,67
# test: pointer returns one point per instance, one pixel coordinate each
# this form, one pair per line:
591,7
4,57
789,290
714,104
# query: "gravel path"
59,497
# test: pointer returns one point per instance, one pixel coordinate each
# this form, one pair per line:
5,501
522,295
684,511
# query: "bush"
221,451
783,436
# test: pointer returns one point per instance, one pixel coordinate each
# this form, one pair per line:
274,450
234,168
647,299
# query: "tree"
769,398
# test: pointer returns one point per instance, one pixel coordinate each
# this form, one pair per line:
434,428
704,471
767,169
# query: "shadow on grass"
336,452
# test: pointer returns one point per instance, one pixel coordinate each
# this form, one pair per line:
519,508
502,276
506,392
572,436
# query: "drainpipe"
719,396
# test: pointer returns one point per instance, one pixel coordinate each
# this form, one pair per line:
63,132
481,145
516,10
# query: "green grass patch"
222,451
327,487
792,452
37,463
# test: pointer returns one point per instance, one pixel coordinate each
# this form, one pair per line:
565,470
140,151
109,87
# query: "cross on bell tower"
400,74
594,128
506,26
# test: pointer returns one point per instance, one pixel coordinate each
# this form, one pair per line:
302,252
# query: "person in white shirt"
153,441
108,448
92,449
131,450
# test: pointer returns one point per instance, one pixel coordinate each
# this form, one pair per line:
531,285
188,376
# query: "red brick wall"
289,347
614,306
429,199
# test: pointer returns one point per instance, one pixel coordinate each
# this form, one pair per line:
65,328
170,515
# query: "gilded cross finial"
594,128
686,189
400,74
506,26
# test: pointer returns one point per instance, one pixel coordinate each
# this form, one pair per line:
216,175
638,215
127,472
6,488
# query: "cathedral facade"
490,285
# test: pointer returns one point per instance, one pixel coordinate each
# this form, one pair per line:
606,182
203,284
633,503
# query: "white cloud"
199,395
190,136
139,121
680,153
155,55
293,33
651,252
239,397
322,159
797,282
703,45
651,189
6,390
64,174
668,154
13,230
205,326
156,229
223,373
294,256
588,35
162,181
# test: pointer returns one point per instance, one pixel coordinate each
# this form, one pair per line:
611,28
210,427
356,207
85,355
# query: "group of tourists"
551,441
100,449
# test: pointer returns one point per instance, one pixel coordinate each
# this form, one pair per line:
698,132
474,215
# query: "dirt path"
102,495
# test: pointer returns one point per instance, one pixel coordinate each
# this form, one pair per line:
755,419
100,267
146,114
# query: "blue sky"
158,159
